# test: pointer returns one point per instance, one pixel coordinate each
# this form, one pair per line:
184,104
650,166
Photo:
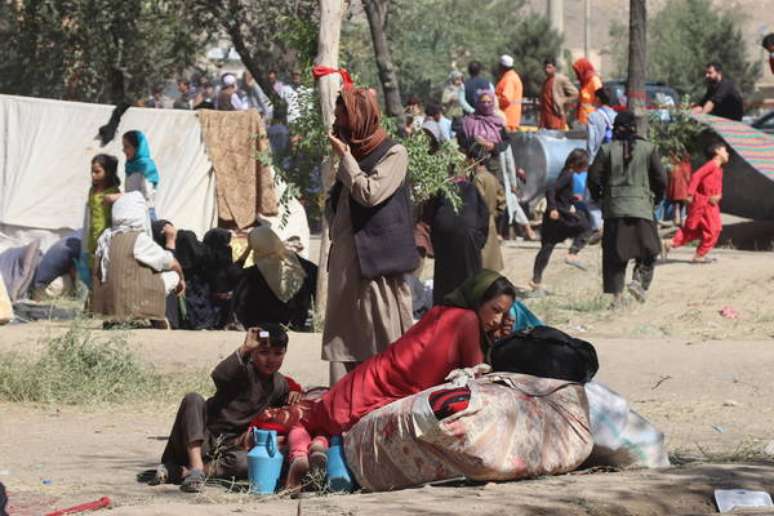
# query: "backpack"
547,353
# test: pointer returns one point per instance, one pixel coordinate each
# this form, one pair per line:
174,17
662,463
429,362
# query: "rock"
769,449
730,403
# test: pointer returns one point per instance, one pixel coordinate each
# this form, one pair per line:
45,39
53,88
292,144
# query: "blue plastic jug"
339,478
264,462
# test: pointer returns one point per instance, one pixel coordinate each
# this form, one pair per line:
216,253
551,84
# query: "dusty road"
701,378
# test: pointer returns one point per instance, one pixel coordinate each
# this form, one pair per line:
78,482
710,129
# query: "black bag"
545,352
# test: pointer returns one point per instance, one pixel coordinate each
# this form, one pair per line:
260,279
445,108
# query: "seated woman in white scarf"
132,273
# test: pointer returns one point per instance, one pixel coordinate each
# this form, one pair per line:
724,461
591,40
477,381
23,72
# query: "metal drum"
542,154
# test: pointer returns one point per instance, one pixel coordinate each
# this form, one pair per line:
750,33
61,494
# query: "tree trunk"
635,87
234,31
376,11
331,16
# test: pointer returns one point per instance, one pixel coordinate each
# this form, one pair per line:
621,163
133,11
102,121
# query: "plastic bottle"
264,462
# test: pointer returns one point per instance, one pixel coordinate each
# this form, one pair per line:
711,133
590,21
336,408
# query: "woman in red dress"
453,335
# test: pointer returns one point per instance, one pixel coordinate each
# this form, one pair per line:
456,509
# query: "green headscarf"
470,294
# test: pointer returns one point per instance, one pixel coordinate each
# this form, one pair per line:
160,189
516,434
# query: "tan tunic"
133,290
494,197
363,316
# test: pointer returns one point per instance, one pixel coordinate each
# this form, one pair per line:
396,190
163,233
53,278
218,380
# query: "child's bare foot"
318,459
298,469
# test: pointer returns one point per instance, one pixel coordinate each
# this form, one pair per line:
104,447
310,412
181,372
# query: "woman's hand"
689,200
294,397
246,440
338,146
714,199
554,215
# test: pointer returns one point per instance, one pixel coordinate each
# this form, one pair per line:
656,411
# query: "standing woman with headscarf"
483,137
628,179
590,83
372,234
141,172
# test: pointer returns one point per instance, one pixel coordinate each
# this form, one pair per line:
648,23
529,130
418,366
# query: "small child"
562,220
104,182
141,172
304,453
705,191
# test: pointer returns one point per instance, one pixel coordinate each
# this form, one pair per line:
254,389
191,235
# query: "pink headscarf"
483,123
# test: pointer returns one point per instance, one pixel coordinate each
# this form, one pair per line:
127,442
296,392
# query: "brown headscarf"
364,134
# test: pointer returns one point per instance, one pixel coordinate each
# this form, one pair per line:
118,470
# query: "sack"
513,427
545,352
622,438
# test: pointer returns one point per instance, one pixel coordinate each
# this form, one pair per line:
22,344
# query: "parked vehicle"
765,123
657,95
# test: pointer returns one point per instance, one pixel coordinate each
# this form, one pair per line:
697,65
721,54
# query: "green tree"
267,34
94,50
428,38
687,34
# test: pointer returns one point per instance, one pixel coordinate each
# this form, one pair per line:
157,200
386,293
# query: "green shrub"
77,368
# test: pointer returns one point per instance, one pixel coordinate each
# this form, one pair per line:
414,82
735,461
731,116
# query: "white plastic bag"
622,437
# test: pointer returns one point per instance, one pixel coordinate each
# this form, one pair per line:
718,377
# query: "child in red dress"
704,194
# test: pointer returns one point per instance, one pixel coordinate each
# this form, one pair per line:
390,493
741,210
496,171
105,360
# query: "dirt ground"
700,377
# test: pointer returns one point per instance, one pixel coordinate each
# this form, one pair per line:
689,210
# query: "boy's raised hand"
251,340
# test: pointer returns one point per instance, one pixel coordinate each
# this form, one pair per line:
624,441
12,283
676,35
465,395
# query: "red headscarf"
363,132
584,70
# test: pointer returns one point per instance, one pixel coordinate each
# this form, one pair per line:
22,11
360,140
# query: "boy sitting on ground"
205,438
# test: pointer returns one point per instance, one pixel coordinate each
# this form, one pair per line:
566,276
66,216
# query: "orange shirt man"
509,93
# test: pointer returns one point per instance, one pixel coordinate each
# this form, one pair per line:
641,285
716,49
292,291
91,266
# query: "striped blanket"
753,146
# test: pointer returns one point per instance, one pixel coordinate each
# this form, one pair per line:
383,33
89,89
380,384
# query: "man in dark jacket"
628,179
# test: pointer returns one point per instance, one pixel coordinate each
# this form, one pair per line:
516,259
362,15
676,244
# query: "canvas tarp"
45,154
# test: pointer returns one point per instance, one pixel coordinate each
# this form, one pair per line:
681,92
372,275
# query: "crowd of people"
140,266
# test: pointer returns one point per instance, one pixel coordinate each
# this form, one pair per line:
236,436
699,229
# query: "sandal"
161,476
575,263
194,482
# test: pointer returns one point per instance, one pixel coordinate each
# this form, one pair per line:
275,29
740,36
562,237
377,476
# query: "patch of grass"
78,368
587,303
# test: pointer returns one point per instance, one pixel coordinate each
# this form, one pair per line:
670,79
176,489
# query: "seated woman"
451,336
209,271
132,274
279,288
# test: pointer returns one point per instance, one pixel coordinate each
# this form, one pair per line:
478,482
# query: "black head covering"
156,227
217,242
625,130
191,254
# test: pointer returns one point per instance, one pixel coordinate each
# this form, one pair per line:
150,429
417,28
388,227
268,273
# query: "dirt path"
699,377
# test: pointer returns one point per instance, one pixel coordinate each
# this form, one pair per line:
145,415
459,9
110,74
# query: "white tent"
46,147
45,155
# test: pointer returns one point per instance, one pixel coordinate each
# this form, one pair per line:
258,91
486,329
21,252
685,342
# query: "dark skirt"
628,238
254,303
569,225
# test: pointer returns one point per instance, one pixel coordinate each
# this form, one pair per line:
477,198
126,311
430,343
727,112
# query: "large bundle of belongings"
506,425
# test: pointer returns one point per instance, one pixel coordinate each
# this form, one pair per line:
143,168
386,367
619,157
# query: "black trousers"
225,457
547,248
614,273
